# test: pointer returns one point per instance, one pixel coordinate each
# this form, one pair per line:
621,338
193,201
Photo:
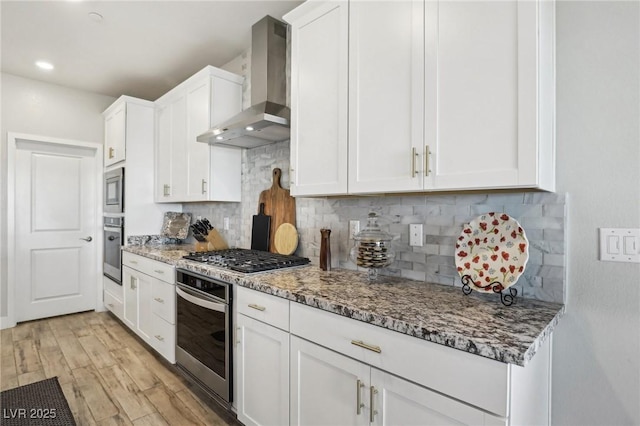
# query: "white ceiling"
140,48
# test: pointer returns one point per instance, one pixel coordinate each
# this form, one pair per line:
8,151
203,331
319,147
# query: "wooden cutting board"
286,239
279,204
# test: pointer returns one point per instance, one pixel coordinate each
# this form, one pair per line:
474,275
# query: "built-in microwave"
114,191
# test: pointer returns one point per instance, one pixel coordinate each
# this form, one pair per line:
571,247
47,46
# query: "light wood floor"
108,376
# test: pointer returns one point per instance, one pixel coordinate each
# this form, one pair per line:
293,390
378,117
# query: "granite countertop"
442,314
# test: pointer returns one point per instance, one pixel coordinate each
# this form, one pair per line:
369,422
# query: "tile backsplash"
542,215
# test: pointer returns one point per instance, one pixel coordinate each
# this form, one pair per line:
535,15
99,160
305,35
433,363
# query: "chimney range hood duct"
267,120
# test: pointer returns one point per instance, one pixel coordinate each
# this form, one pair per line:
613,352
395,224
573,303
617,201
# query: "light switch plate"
620,245
415,235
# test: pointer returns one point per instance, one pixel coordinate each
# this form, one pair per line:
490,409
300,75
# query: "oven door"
203,339
112,265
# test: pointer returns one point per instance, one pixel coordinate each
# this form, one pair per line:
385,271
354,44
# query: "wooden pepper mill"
325,250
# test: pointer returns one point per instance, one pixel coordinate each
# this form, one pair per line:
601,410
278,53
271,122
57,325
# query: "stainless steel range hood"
267,120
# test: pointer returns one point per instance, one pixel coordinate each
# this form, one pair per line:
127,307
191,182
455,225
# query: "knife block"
203,246
215,241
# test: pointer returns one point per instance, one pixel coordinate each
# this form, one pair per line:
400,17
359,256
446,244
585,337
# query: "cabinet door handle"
159,300
257,307
204,186
427,154
359,404
132,283
372,348
159,337
372,411
291,176
158,271
112,152
414,154
167,190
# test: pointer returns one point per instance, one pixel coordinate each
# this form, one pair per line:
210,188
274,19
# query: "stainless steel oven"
204,333
114,191
112,250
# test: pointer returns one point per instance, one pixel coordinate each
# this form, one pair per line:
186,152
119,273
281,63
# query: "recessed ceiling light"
95,17
249,129
44,65
219,138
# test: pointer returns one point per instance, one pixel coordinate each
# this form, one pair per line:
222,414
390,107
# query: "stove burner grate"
247,261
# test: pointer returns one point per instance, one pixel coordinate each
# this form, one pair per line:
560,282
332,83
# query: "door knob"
88,239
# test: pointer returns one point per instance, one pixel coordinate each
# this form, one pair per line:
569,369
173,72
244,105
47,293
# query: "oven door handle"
213,306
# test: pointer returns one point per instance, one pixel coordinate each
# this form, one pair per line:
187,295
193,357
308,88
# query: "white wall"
35,107
596,365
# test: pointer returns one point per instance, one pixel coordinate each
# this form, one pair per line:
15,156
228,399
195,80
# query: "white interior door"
56,229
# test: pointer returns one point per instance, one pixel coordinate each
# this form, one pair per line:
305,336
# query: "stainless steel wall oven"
204,331
112,252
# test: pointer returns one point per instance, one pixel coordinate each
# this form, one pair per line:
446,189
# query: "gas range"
247,261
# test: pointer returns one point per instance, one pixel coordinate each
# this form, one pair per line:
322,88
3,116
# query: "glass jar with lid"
372,248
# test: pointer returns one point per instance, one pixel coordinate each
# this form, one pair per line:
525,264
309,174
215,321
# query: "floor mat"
40,403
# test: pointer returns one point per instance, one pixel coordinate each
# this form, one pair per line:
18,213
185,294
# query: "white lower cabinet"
328,388
263,373
113,296
325,386
397,401
149,302
262,358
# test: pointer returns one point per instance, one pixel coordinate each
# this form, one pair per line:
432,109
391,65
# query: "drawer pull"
158,271
110,305
372,348
359,404
159,337
372,395
257,307
135,262
158,299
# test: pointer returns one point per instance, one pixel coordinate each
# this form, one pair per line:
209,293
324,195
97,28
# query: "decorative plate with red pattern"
493,251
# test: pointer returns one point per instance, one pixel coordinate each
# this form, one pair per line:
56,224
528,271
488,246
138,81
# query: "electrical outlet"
415,235
354,228
198,218
225,223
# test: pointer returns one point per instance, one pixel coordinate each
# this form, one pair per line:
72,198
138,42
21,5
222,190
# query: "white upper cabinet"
187,170
386,80
115,131
319,75
442,95
489,94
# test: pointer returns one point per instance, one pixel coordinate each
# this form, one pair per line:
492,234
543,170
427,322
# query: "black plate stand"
496,287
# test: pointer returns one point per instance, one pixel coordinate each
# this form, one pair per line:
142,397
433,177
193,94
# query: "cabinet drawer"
153,268
163,339
113,304
112,287
164,300
470,378
263,307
